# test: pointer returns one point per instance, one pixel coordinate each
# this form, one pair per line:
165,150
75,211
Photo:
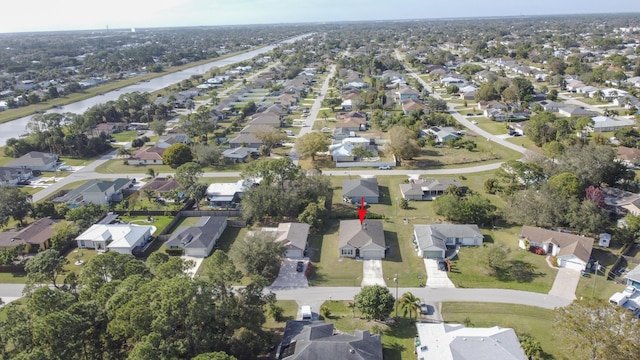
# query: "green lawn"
329,268
118,167
469,268
160,222
397,340
226,243
78,254
126,136
13,278
493,127
523,319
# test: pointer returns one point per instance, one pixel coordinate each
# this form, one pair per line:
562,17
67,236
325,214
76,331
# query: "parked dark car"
300,266
442,265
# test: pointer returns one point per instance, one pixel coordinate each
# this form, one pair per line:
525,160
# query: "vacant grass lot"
118,167
493,127
523,319
397,340
469,268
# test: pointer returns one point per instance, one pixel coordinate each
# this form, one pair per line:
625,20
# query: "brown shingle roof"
356,235
569,244
36,233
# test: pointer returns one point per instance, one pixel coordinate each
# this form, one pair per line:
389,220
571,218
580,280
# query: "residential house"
147,155
341,151
457,342
365,241
606,124
572,251
621,201
450,80
551,106
266,118
293,236
352,124
36,235
427,189
198,240
239,154
246,140
441,134
121,238
161,186
518,127
109,128
366,188
432,240
405,93
411,105
223,194
12,176
165,141
35,160
99,192
307,340
629,156
575,111
341,133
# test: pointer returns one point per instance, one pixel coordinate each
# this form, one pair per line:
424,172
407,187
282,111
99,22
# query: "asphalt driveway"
436,278
289,277
565,284
372,273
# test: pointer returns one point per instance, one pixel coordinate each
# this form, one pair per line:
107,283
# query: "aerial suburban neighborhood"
459,189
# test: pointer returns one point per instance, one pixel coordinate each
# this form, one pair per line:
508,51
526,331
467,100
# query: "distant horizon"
74,15
130,29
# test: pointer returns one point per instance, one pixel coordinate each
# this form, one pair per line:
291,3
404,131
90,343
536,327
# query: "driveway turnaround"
289,277
436,278
565,284
372,273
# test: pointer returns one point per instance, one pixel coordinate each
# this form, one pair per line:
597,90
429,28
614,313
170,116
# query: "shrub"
540,251
309,270
554,261
174,251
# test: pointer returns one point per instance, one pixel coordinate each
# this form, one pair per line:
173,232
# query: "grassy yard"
160,222
469,268
226,243
523,319
13,278
493,127
398,341
74,255
598,286
126,136
118,167
329,268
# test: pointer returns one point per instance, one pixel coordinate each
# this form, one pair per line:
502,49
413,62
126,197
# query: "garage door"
432,254
293,254
372,254
574,265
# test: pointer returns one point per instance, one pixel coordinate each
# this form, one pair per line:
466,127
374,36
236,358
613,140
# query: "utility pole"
395,280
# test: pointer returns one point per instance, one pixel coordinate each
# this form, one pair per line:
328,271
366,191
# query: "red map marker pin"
362,211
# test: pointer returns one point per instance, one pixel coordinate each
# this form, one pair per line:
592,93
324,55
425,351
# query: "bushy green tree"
375,302
176,155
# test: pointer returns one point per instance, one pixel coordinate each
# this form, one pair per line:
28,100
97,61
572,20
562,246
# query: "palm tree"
410,303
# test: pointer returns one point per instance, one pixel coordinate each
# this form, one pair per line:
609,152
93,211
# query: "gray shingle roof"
360,187
199,236
356,235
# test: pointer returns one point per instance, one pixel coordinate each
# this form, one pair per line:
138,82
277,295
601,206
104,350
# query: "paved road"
459,118
313,113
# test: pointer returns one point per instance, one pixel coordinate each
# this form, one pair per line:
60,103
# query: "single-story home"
362,241
518,127
342,150
239,154
319,340
455,341
35,160
441,134
427,189
575,111
605,124
628,156
36,234
146,155
198,240
353,124
12,176
621,201
366,188
99,192
411,105
121,238
165,141
246,140
161,185
227,193
406,92
293,236
432,240
572,251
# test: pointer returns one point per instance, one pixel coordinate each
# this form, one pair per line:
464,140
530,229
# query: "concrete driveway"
436,278
372,273
289,277
197,262
565,284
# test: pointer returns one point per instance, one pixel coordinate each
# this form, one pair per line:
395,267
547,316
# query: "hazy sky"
42,15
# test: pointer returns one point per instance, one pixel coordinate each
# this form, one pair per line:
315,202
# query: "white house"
341,152
572,251
122,238
456,342
432,240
